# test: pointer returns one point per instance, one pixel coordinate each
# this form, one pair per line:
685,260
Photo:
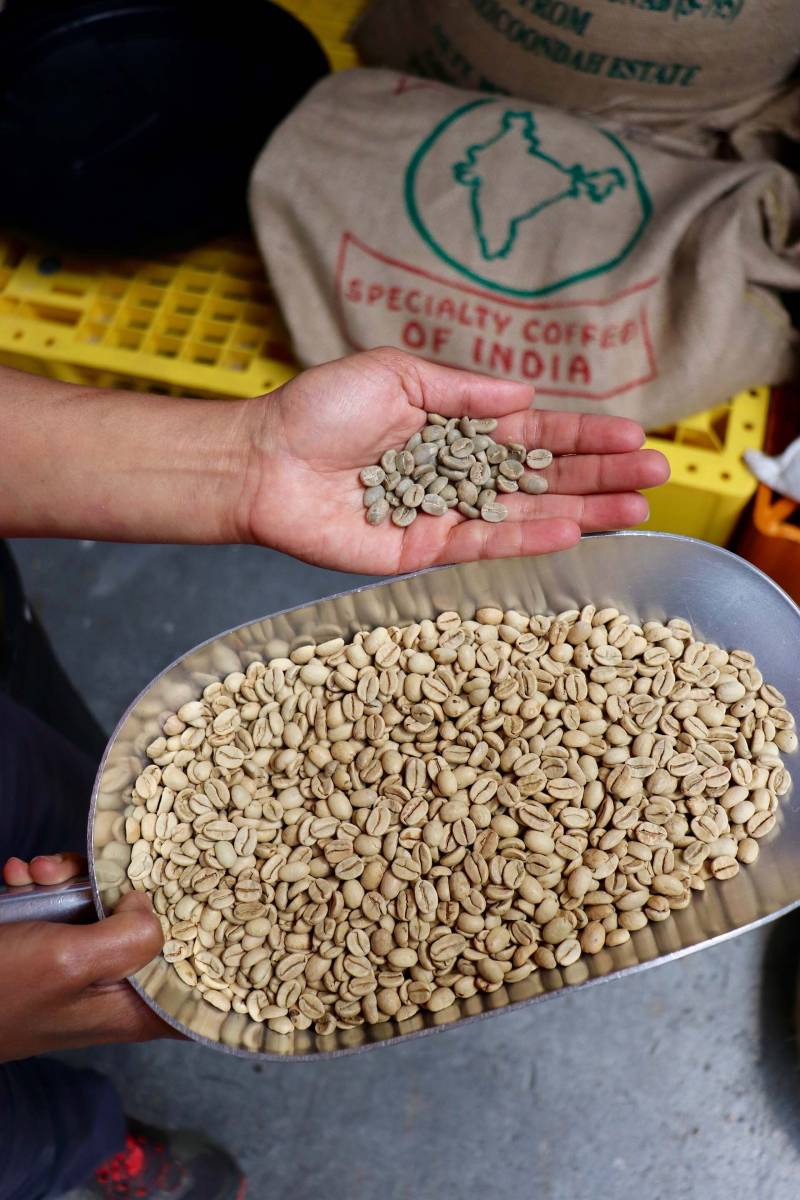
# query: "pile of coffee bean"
451,463
357,831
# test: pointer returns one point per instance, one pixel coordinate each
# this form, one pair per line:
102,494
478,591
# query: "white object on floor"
782,474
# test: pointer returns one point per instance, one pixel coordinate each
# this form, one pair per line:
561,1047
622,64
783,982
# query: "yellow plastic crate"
710,484
331,22
206,324
202,324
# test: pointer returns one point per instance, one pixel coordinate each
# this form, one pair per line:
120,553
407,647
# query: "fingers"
586,474
592,514
467,541
44,869
454,392
570,433
16,873
121,944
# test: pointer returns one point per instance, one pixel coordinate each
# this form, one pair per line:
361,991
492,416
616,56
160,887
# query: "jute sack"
652,62
521,241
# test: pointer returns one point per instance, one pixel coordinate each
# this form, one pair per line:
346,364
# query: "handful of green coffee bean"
451,463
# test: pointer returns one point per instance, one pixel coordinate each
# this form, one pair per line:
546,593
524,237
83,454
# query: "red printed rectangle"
584,349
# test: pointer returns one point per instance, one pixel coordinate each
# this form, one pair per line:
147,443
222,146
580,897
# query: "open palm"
318,431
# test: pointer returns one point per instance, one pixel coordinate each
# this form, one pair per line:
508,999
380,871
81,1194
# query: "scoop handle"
68,903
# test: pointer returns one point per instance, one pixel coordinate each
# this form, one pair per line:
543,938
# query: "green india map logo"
526,218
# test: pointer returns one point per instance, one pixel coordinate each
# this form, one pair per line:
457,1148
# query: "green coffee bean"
534,485
378,512
433,505
403,515
452,462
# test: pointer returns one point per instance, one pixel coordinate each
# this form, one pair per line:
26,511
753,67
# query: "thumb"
121,944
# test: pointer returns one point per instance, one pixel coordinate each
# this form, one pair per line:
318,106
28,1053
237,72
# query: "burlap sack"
521,241
653,62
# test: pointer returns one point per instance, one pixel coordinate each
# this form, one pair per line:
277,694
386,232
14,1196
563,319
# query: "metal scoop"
650,576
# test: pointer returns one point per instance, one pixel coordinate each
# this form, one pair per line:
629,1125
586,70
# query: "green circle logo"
525,201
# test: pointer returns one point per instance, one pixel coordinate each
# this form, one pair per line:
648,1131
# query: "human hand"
312,437
64,985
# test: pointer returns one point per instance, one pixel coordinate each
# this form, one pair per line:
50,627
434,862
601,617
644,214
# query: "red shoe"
158,1165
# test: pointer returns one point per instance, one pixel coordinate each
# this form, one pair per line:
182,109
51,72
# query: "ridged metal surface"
650,576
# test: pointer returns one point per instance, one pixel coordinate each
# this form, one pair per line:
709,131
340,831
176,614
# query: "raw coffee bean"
468,510
507,485
467,491
354,831
494,512
537,460
403,515
434,506
512,468
533,485
378,512
372,494
414,496
372,476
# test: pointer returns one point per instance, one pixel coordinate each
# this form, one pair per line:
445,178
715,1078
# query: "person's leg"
58,1125
62,1128
31,674
58,1122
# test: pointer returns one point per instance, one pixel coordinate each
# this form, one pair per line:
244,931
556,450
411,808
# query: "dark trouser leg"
57,1122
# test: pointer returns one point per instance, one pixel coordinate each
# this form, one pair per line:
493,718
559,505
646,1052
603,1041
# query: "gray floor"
681,1082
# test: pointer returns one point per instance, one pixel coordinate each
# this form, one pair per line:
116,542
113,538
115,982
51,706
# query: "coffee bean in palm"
452,462
403,515
371,476
512,468
537,460
433,433
433,505
377,512
425,453
467,491
425,477
468,510
371,494
534,485
494,512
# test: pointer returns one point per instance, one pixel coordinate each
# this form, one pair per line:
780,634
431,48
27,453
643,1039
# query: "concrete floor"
680,1082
